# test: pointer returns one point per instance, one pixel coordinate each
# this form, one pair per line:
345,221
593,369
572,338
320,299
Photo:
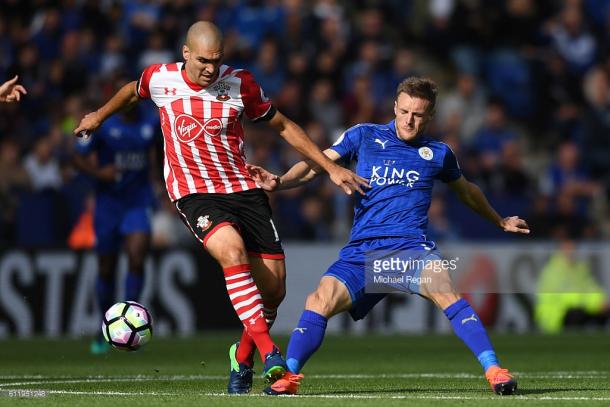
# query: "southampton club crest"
204,222
222,90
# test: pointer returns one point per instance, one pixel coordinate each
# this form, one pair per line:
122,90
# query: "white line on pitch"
422,397
104,379
323,396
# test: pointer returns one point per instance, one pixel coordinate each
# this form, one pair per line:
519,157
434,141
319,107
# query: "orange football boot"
288,384
501,382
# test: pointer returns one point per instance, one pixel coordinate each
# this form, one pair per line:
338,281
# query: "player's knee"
443,299
232,256
318,303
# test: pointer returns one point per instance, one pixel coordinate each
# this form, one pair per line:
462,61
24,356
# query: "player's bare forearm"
303,172
474,198
293,134
299,174
296,137
124,98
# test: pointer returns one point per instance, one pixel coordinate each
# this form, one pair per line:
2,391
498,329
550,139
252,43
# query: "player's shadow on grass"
471,391
527,392
394,391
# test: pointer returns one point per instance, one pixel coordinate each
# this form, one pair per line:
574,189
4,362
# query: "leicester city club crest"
425,153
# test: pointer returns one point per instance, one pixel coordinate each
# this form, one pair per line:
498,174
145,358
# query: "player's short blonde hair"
422,88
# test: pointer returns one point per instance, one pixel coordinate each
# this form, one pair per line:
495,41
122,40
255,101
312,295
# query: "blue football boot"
275,366
240,376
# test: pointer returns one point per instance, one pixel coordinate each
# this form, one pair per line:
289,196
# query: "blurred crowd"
524,101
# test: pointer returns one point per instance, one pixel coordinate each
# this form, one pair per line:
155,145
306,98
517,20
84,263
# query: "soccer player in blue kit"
401,165
118,157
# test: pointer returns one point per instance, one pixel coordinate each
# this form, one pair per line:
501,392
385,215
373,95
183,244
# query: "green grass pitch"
565,370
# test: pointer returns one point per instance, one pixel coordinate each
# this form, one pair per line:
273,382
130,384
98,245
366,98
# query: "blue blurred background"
524,101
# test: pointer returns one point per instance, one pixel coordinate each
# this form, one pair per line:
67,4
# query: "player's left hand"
514,224
265,179
10,91
348,181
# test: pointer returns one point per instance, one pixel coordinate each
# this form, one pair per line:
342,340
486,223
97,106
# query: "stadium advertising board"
50,293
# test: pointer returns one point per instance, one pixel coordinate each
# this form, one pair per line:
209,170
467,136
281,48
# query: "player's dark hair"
422,88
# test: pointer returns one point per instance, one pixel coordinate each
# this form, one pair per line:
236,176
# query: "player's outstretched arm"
296,137
125,97
10,91
299,174
474,198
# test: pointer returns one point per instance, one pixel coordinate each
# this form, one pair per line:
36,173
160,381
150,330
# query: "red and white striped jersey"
202,130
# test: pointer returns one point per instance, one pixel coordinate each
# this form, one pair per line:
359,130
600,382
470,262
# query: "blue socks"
306,338
468,327
104,292
133,286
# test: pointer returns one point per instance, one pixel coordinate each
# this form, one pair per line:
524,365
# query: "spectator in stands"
568,295
572,39
43,167
490,139
595,125
464,105
566,174
13,181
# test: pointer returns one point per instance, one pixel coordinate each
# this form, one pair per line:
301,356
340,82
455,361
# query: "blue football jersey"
401,175
127,146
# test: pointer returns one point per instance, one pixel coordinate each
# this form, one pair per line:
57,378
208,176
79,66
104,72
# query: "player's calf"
467,326
330,298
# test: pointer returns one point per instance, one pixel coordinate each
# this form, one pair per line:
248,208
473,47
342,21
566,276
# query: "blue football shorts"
353,258
113,220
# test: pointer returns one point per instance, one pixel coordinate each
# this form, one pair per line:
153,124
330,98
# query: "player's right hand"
10,91
265,179
88,124
348,181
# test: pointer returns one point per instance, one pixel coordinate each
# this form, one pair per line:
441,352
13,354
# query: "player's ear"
186,52
395,107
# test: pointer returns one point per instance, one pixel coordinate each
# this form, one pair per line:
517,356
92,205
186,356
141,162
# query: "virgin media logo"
212,127
188,128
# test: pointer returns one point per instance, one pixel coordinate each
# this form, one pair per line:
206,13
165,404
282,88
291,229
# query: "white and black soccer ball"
127,325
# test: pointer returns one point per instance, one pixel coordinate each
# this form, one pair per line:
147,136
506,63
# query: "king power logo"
388,175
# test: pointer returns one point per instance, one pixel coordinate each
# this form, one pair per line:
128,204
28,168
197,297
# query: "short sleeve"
451,169
348,143
257,106
143,86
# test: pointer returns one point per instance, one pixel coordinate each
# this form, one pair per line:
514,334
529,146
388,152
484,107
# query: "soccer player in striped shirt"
201,105
390,223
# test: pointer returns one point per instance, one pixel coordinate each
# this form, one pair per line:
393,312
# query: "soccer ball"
127,325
